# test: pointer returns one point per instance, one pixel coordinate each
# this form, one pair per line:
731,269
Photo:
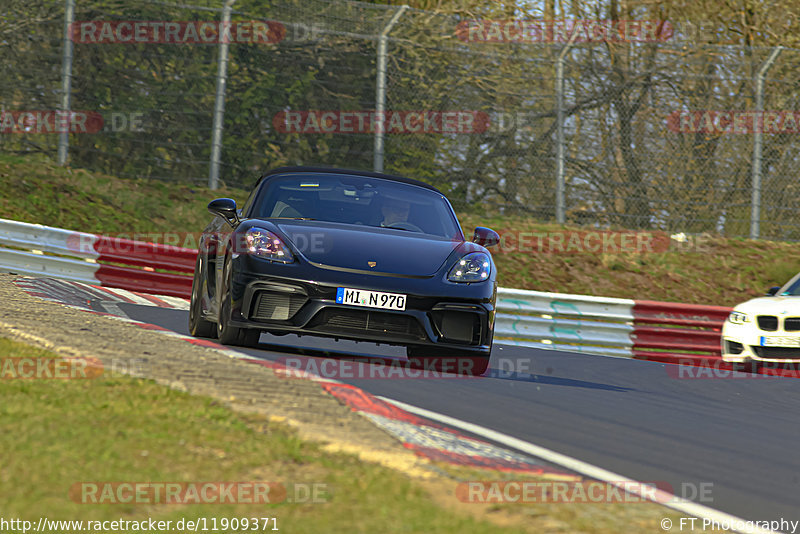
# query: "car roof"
330,170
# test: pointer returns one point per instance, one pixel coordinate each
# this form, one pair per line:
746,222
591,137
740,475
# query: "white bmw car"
765,329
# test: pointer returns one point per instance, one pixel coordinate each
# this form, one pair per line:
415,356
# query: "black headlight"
264,244
474,267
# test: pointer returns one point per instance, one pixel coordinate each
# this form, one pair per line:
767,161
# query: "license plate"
370,299
780,341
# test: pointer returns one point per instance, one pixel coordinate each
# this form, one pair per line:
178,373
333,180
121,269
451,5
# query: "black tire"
448,360
228,334
199,327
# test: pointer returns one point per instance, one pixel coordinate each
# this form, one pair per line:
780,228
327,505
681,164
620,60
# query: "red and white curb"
82,295
434,441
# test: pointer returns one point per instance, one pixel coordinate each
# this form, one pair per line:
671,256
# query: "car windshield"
794,288
358,200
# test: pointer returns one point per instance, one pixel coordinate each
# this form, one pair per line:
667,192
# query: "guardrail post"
219,101
66,79
380,90
755,205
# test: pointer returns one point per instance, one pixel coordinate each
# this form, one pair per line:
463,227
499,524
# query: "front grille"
333,320
767,322
733,347
273,306
777,353
791,324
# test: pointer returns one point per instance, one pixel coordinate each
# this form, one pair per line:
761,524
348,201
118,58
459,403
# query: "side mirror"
225,208
771,292
485,237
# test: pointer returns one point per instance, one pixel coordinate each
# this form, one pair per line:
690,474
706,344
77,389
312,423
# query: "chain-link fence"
657,132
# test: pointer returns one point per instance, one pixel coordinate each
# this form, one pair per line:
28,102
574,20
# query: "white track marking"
104,292
176,302
92,290
113,309
587,469
130,295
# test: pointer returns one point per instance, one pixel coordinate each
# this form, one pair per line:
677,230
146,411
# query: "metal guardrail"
646,330
35,264
560,321
44,238
33,249
670,332
660,331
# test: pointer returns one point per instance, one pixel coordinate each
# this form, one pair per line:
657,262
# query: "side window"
249,202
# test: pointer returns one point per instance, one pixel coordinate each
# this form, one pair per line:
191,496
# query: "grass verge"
59,433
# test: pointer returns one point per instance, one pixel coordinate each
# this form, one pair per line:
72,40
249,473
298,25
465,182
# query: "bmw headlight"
265,244
738,318
474,267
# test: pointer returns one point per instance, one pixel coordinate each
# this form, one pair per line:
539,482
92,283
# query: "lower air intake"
777,353
271,306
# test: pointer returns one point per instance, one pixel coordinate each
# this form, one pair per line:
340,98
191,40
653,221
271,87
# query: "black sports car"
347,254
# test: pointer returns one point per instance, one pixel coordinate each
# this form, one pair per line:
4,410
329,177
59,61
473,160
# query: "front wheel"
454,361
228,334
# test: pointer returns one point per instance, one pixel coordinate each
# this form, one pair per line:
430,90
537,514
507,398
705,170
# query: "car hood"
771,306
347,247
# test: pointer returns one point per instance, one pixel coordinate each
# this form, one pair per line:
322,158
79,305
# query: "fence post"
560,211
219,101
380,90
66,79
755,204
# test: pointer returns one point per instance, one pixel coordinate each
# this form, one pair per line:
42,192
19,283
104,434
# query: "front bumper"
743,343
301,299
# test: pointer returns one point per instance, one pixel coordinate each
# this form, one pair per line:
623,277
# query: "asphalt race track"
734,438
